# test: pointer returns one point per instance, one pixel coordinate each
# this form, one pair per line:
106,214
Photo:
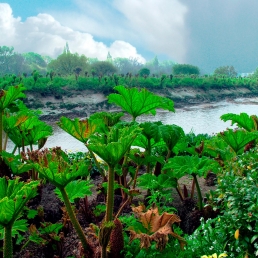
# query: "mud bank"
84,103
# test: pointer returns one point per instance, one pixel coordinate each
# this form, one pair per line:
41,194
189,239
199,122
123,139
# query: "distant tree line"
67,64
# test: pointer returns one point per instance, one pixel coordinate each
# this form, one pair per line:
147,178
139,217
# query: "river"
204,118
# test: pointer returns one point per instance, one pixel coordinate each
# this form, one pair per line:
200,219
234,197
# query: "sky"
205,33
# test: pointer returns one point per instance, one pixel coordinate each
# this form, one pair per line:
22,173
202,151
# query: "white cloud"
159,24
43,34
156,26
7,23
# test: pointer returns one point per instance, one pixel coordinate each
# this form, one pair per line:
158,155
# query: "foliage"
238,139
144,72
185,69
242,120
209,238
137,102
112,147
24,128
66,63
19,225
79,129
76,189
228,71
13,196
55,166
103,68
155,228
236,198
160,188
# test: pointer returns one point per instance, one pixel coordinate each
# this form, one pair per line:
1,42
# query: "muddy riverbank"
84,103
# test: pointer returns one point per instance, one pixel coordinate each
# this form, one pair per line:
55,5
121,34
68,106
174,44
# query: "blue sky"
205,33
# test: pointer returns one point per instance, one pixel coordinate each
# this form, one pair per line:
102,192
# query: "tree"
103,68
5,56
127,65
11,62
35,61
67,62
228,71
153,65
165,67
185,69
144,72
109,57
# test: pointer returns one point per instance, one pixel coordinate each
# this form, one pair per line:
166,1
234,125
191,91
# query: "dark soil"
69,244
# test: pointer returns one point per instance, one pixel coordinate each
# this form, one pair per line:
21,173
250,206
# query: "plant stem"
74,220
148,152
1,131
8,245
168,155
14,149
192,190
179,192
135,176
129,199
110,194
103,252
200,204
96,162
5,141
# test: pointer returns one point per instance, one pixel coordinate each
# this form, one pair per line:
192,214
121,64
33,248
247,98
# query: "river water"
204,118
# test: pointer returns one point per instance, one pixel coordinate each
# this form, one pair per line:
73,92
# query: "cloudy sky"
205,33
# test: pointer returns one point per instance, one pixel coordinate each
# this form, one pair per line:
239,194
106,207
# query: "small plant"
14,195
55,166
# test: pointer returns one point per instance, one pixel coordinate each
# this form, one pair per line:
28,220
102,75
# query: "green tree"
5,56
144,72
126,65
103,68
67,62
11,62
228,71
153,65
185,69
35,61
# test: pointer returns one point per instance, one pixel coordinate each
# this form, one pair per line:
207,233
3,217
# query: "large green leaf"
15,164
108,118
158,183
187,165
243,120
171,134
142,141
151,130
20,225
113,146
217,148
13,196
150,135
24,128
238,139
137,102
140,159
55,166
79,129
76,189
9,96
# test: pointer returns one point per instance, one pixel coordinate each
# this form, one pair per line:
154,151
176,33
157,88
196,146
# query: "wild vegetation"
70,73
139,166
